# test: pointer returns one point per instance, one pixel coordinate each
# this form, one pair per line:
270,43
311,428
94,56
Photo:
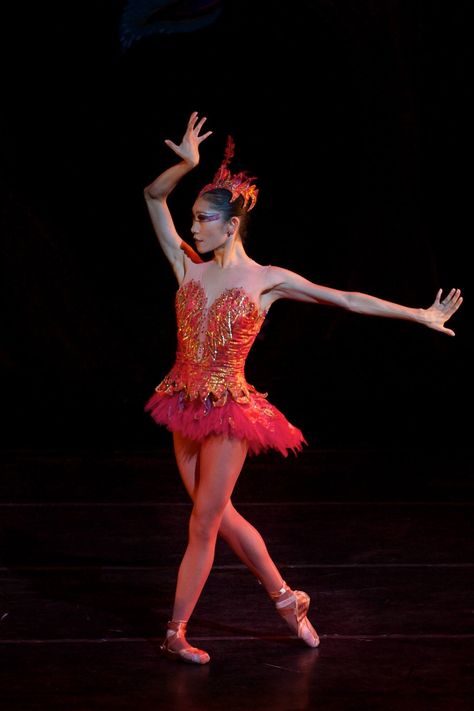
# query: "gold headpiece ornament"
238,184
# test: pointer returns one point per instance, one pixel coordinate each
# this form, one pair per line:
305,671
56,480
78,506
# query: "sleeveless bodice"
213,343
206,393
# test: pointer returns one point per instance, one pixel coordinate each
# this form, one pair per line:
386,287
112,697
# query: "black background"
356,118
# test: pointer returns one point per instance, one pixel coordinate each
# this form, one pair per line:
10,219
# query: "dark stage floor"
381,540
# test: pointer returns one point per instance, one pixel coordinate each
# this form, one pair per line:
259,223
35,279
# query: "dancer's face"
209,229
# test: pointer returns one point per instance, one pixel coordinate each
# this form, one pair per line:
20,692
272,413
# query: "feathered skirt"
257,421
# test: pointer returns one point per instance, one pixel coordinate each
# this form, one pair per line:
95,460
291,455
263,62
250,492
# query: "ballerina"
216,417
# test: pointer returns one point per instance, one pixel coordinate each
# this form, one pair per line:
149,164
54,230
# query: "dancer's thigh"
220,462
187,459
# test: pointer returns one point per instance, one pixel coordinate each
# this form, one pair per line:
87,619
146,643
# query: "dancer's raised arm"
156,194
285,284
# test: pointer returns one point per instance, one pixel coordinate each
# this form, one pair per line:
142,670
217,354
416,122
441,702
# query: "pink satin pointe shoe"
177,648
293,609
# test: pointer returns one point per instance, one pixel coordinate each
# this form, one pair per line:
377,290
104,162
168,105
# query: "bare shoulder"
260,275
282,283
272,277
275,277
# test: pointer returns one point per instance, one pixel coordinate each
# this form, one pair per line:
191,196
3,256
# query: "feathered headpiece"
238,184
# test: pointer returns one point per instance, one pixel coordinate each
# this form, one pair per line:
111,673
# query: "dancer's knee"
204,523
229,521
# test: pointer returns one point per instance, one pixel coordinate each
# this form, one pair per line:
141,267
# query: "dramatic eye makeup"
207,217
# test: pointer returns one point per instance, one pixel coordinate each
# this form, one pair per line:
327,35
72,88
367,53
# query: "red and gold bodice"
213,343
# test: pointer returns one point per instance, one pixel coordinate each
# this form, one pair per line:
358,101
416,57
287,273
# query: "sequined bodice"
220,333
213,343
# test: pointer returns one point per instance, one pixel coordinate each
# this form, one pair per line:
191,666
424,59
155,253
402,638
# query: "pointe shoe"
293,609
175,646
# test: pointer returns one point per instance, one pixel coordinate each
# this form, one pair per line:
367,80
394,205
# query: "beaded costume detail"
211,352
206,391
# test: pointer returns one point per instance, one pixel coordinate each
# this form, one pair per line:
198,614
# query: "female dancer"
216,417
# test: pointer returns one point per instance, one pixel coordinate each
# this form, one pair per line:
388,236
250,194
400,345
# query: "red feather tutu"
257,421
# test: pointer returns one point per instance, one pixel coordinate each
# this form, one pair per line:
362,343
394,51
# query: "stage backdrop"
354,116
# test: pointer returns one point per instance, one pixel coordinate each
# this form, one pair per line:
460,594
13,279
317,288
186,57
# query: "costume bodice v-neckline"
211,303
224,326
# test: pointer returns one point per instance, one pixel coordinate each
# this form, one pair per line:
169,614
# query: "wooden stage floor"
381,540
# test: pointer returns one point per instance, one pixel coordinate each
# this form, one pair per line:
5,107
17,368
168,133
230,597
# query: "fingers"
170,144
204,136
192,119
192,122
457,300
200,124
453,299
454,293
196,127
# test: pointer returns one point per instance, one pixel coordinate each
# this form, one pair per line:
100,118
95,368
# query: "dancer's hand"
441,311
188,149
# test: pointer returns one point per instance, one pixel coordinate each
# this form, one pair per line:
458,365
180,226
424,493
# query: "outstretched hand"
441,311
188,149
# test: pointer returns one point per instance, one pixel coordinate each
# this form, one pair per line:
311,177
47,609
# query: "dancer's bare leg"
220,463
248,545
239,534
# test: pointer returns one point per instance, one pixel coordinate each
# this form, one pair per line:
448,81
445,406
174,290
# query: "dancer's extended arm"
285,284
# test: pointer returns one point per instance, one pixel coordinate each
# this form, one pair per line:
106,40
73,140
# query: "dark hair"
220,199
